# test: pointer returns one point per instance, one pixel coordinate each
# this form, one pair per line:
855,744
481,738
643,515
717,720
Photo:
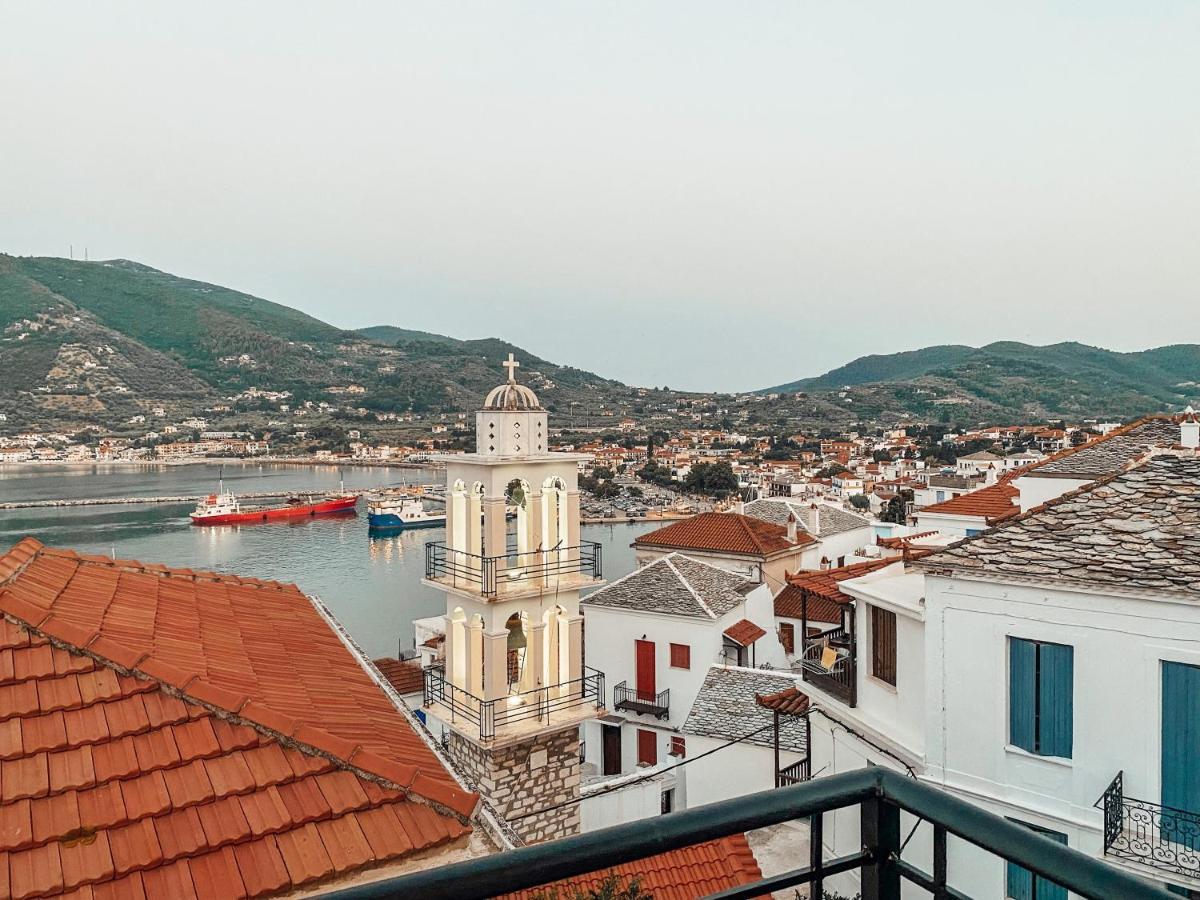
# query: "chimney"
791,528
1189,430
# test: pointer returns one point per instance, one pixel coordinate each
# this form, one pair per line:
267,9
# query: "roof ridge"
691,590
231,706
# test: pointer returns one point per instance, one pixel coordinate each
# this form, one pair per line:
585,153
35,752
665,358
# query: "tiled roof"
1138,530
685,874
788,702
121,769
993,503
1111,453
831,519
726,707
675,585
724,533
405,675
744,632
789,605
823,584
981,456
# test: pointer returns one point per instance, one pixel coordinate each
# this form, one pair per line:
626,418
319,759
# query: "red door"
644,662
647,747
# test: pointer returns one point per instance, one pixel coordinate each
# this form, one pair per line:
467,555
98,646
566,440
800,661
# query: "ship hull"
392,522
279,513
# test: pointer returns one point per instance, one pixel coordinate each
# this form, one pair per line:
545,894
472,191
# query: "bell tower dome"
512,422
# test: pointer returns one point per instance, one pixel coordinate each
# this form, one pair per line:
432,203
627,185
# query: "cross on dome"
512,365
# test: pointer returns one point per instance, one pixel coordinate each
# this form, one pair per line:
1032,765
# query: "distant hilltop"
1007,380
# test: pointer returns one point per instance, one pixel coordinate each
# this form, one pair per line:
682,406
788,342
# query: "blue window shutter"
1056,700
1022,692
1180,749
1018,883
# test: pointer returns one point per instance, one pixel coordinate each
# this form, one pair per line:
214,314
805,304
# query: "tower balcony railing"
513,570
517,710
631,700
884,859
1150,834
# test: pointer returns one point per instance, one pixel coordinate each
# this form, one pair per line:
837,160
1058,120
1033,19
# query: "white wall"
846,543
734,771
1035,491
949,524
640,800
1119,643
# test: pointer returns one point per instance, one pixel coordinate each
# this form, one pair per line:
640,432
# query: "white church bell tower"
513,690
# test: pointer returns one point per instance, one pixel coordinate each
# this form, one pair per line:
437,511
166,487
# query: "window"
787,637
668,801
1040,688
941,495
681,656
678,746
647,748
1021,884
883,644
971,532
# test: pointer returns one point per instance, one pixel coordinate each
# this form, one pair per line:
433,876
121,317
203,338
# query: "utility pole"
72,246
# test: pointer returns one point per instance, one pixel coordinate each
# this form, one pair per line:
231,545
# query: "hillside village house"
657,631
970,514
1045,669
842,534
760,551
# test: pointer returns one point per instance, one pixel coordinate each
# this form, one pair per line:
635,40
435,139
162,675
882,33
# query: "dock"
188,498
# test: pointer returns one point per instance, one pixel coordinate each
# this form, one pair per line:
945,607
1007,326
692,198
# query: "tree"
609,889
830,471
895,509
716,479
860,501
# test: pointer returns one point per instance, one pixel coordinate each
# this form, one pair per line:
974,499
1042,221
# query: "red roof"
405,675
744,633
993,503
823,584
788,606
725,533
150,740
787,702
675,875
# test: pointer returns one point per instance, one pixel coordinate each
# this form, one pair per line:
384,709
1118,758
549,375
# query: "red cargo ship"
223,509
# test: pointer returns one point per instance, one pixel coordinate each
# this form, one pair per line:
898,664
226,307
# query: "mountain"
104,342
1013,380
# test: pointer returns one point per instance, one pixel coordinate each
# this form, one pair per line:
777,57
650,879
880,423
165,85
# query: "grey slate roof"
1139,530
982,456
1111,454
833,520
674,585
725,708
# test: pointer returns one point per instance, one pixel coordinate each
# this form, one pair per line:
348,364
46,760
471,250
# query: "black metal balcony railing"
1157,836
838,679
487,574
793,774
629,700
515,707
880,796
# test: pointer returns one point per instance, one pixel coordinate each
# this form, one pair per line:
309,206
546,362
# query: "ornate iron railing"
491,574
884,861
629,700
838,679
513,708
1151,834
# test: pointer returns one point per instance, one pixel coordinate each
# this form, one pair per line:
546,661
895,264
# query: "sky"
706,196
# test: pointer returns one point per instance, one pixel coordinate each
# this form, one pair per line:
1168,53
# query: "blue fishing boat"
393,512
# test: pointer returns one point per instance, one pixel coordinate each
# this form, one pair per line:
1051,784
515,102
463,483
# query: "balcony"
829,664
879,795
514,714
657,705
1150,835
793,774
513,572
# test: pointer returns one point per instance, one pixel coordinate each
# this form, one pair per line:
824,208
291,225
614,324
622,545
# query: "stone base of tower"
522,778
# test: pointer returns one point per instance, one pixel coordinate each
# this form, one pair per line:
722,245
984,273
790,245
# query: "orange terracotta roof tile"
992,504
676,875
113,785
789,701
822,584
406,676
744,632
724,533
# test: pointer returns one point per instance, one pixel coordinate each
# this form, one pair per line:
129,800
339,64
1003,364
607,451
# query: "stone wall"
521,778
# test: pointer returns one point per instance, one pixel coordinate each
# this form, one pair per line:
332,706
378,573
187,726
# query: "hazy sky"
701,195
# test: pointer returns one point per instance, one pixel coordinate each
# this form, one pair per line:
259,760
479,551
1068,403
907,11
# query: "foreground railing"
490,574
514,707
629,700
880,796
1157,836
